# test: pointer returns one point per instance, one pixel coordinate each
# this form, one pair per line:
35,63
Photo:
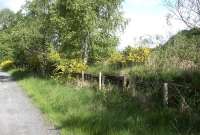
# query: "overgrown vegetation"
82,31
7,65
86,111
58,38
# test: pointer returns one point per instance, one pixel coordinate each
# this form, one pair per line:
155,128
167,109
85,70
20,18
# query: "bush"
117,60
136,55
130,56
7,64
53,56
68,66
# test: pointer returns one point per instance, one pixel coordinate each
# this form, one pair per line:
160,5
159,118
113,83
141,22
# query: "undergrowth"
86,111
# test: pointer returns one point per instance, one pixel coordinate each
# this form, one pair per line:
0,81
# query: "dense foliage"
60,37
181,52
7,64
81,29
130,56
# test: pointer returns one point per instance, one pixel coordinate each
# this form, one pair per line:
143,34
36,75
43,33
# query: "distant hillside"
180,51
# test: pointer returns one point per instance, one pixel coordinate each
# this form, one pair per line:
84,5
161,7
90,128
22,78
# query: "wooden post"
133,87
165,94
82,78
124,83
100,81
103,82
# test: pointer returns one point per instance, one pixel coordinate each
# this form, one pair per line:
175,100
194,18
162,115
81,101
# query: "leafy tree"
87,27
5,47
78,29
7,18
30,37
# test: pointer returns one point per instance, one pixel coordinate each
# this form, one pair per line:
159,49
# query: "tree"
7,18
78,29
87,27
30,36
187,11
7,21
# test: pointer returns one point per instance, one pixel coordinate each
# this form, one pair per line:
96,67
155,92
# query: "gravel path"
17,114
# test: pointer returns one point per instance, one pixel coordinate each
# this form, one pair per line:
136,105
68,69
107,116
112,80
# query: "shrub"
53,56
130,56
136,55
68,66
7,64
71,66
117,60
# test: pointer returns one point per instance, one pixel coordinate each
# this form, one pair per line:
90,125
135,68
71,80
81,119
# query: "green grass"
85,111
112,70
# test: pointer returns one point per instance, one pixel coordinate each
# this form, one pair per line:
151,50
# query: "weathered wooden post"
103,82
165,94
133,86
124,83
78,80
82,78
100,81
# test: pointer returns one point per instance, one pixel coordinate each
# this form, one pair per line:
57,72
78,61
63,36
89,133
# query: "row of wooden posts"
130,86
100,80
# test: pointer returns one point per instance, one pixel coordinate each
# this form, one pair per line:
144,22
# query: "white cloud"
142,2
151,21
14,5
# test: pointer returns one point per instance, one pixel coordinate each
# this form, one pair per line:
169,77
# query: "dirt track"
17,114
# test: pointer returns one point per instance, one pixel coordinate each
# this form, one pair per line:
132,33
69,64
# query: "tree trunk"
85,48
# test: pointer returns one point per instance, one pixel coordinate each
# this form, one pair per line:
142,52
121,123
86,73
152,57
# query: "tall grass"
86,111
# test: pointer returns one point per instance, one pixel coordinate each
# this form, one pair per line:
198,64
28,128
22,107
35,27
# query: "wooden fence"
103,79
168,90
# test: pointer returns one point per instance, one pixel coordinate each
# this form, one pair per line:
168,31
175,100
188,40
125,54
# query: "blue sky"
147,17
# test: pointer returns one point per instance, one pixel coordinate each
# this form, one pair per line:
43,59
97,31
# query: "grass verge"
85,111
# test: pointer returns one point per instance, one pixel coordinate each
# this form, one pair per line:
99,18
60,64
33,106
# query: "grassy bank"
85,111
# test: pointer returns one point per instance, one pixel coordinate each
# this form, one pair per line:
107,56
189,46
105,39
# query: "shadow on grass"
20,74
113,113
120,115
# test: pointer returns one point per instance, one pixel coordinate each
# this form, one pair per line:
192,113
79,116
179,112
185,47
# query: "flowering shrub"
7,64
136,55
129,56
71,66
67,66
53,55
116,58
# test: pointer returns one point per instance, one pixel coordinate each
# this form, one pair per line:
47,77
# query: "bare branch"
188,11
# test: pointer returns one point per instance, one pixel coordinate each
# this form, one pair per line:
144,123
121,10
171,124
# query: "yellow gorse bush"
130,55
7,64
70,66
116,57
138,55
54,56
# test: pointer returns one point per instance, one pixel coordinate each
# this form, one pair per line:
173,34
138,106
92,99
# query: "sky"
146,17
14,5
